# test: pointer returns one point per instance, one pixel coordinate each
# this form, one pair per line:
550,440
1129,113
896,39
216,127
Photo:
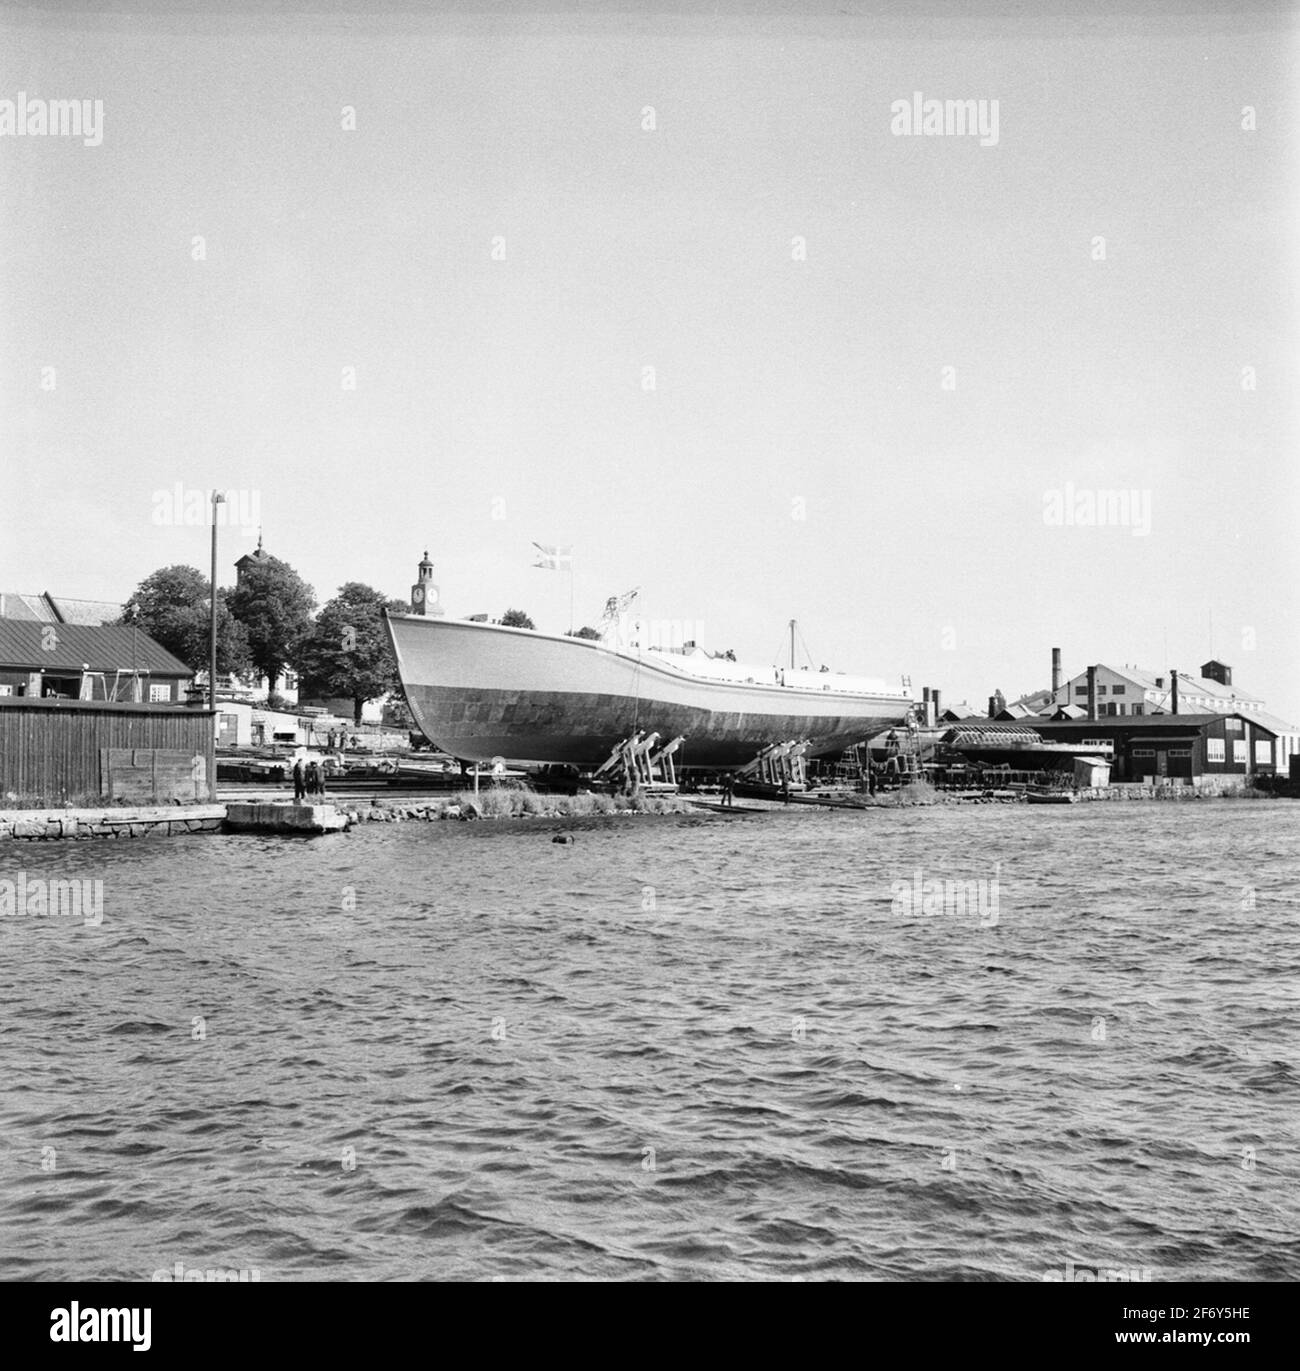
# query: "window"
1233,725
1101,690
1180,751
1117,690
1081,690
6,690
1263,752
1240,751
1144,752
1214,750
159,693
1138,709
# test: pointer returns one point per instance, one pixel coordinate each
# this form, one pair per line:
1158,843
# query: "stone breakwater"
173,821
1124,790
537,808
160,820
283,817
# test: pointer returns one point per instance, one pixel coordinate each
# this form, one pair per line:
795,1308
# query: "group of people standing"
308,779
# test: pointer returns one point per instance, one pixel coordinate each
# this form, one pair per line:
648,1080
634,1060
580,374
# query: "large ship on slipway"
482,691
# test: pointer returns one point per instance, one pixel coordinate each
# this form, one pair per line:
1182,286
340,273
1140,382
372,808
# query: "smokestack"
1092,692
1056,673
934,695
927,706
1173,692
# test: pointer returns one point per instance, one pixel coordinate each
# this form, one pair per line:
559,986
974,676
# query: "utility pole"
217,499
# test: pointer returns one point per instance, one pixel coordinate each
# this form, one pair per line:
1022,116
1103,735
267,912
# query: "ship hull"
481,691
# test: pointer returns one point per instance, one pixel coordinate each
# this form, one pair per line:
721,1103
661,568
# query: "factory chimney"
1173,692
1092,692
1056,673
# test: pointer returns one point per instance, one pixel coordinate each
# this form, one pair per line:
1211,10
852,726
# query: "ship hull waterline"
481,692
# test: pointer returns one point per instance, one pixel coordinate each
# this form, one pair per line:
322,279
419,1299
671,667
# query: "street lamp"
217,499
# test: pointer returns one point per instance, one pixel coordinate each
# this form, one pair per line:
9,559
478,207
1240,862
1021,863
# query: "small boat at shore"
1051,797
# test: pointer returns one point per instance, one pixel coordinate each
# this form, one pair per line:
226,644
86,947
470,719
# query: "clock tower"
424,594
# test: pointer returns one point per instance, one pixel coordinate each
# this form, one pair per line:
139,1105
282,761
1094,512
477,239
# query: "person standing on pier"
299,781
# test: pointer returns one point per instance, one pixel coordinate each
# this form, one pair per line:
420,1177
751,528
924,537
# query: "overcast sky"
532,210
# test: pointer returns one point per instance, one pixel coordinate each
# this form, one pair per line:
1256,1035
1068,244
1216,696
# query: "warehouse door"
1180,762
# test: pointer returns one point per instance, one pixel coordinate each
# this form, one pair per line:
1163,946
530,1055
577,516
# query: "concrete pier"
284,817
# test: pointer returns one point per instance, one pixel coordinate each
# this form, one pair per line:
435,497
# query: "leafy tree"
275,605
516,618
172,606
348,653
397,715
584,632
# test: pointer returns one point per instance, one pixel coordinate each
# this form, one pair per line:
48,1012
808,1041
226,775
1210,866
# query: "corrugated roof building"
41,659
52,609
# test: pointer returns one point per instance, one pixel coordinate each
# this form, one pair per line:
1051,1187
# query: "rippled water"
676,1048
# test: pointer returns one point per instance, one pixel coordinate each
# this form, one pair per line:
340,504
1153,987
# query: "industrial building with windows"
1105,692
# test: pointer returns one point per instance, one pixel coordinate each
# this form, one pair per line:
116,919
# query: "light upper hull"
481,691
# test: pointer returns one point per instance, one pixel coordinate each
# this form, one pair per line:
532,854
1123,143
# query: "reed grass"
514,801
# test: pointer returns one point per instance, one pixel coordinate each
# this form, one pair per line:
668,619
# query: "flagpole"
553,559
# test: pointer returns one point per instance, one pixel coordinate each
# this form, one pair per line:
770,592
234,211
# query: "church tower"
424,594
250,559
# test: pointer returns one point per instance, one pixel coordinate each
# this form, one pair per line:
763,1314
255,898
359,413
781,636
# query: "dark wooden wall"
53,750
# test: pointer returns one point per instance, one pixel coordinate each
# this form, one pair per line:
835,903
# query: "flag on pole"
554,558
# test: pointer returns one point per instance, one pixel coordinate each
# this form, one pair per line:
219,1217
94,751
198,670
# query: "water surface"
675,1049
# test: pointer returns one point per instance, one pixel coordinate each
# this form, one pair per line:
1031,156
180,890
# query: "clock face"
417,594
433,593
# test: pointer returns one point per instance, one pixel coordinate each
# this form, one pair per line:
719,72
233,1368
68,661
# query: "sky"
672,286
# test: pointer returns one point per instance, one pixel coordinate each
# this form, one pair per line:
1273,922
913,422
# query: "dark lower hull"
568,726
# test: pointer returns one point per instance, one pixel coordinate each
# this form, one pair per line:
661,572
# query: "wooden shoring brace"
664,759
799,765
641,758
767,766
622,751
787,767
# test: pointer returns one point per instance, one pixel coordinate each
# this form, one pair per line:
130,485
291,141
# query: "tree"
348,652
584,632
516,618
275,605
172,606
397,715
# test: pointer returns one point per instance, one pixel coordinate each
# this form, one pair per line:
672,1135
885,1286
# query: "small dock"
284,817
